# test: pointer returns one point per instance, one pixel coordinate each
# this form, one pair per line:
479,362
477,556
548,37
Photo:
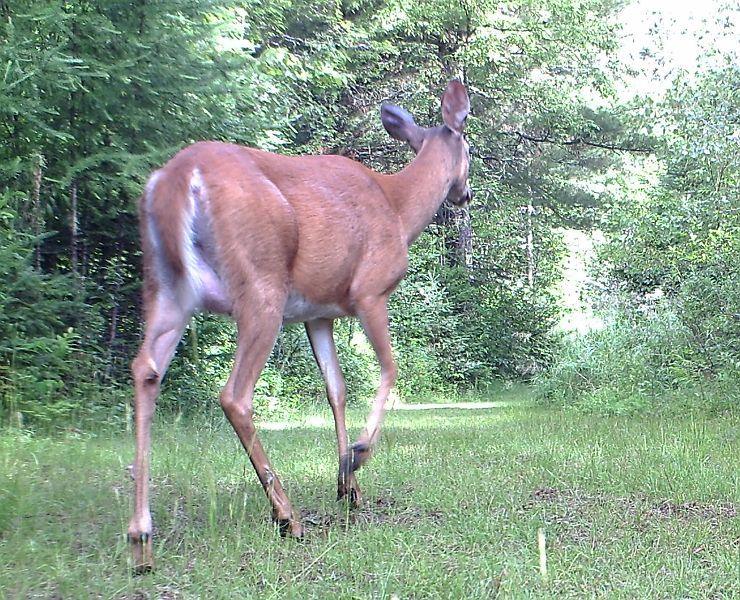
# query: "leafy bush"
671,260
49,363
645,358
457,328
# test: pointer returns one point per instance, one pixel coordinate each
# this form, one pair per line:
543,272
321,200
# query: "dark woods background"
95,94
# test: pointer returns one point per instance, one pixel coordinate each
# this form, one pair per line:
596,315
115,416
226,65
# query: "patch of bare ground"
665,508
570,509
163,593
695,510
374,511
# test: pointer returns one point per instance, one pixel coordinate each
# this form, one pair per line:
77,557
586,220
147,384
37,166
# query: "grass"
630,508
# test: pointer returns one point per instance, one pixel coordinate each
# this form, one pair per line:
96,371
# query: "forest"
565,420
598,260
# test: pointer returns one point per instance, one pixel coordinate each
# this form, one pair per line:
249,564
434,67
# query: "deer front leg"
320,334
373,314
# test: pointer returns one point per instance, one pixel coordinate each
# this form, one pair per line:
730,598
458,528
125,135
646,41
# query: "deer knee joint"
145,370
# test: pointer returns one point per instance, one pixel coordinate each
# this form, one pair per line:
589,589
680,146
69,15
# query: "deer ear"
401,126
455,106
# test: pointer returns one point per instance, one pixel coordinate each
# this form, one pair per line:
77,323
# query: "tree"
669,265
99,93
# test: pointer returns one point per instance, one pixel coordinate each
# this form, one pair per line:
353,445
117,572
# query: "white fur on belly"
298,309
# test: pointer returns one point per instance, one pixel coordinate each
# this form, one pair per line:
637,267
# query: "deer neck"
418,190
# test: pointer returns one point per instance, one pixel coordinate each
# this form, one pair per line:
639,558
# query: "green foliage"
644,359
427,336
96,94
459,327
671,258
48,366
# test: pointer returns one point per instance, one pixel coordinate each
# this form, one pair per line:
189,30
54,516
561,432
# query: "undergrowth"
645,359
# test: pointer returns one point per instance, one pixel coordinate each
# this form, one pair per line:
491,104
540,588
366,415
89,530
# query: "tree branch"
547,139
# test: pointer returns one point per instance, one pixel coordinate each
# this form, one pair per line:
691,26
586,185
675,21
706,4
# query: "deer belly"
299,309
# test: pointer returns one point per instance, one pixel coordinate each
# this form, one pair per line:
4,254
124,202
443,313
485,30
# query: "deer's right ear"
401,126
455,106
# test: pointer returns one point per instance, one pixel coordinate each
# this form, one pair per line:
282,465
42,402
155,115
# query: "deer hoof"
290,528
360,454
351,493
354,497
142,553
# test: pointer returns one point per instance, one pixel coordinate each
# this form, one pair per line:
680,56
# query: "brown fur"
270,238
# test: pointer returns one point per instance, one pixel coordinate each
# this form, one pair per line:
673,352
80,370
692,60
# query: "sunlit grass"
630,507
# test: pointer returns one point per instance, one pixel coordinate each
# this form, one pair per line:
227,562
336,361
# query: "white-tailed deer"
272,239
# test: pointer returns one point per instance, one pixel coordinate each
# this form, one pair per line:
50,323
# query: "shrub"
645,358
49,361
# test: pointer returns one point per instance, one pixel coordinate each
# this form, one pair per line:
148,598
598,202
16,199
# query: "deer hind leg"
320,334
165,324
256,338
373,314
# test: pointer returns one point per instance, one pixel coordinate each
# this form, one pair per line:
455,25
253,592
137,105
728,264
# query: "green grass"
630,507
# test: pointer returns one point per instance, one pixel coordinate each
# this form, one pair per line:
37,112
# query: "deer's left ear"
401,126
455,106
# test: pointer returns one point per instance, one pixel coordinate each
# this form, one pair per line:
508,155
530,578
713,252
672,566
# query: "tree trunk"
112,336
37,217
73,225
530,243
